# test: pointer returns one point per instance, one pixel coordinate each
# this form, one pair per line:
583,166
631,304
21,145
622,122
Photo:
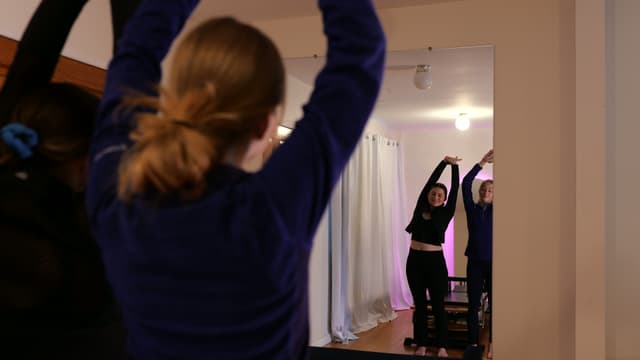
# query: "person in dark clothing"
479,247
55,301
426,267
209,261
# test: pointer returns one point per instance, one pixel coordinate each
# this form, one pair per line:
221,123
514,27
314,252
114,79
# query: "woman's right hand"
487,158
452,160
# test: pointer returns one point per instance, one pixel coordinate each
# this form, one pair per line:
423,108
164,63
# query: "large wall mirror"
433,102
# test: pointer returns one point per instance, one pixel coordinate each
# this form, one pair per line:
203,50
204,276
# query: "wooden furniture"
89,77
456,304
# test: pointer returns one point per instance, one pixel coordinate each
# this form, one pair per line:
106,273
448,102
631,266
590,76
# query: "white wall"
380,128
90,40
297,95
590,241
623,177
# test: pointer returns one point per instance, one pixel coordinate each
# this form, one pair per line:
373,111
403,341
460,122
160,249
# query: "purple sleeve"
301,174
467,182
136,66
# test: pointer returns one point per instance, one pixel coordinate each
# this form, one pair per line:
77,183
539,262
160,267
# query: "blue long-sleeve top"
432,231
479,221
226,276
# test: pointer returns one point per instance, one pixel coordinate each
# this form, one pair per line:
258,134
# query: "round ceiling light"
462,122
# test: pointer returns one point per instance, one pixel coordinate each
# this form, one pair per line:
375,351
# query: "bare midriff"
420,246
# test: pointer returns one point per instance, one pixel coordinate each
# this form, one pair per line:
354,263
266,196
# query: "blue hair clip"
20,138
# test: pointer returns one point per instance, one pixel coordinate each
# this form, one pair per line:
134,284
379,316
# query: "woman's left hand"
452,160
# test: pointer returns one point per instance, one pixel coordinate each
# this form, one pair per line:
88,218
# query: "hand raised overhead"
452,160
487,158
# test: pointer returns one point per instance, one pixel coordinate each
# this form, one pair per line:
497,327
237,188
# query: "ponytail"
225,80
173,152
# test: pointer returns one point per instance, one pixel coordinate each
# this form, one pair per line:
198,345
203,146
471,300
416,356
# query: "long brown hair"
62,115
225,79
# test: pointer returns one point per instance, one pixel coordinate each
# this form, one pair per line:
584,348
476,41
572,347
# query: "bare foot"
421,351
490,352
442,353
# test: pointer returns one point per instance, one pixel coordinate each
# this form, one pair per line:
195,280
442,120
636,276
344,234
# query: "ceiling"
462,77
462,83
255,10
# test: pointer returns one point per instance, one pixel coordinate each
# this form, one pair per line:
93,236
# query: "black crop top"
432,231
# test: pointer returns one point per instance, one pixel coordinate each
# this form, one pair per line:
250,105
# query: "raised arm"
136,66
450,207
38,51
121,11
302,172
467,183
422,198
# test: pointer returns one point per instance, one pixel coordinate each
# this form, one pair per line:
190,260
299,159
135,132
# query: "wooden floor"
389,338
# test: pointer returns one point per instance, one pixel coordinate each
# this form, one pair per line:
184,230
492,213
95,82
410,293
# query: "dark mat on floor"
321,353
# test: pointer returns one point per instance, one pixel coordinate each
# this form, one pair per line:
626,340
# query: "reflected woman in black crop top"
426,267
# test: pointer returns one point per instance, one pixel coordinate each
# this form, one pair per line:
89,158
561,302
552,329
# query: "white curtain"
368,243
399,240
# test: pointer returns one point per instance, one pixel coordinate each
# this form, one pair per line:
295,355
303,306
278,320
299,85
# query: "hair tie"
20,138
183,123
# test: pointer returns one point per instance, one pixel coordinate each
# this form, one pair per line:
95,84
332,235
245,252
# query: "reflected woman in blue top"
479,249
207,260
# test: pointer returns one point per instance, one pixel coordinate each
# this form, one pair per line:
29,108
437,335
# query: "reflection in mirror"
433,103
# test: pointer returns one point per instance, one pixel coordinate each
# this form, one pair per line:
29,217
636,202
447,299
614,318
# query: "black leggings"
478,276
427,270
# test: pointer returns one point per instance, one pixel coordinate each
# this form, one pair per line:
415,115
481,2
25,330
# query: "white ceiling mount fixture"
462,82
422,78
463,122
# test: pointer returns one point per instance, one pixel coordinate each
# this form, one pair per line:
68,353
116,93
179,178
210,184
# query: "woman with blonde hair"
479,249
207,260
